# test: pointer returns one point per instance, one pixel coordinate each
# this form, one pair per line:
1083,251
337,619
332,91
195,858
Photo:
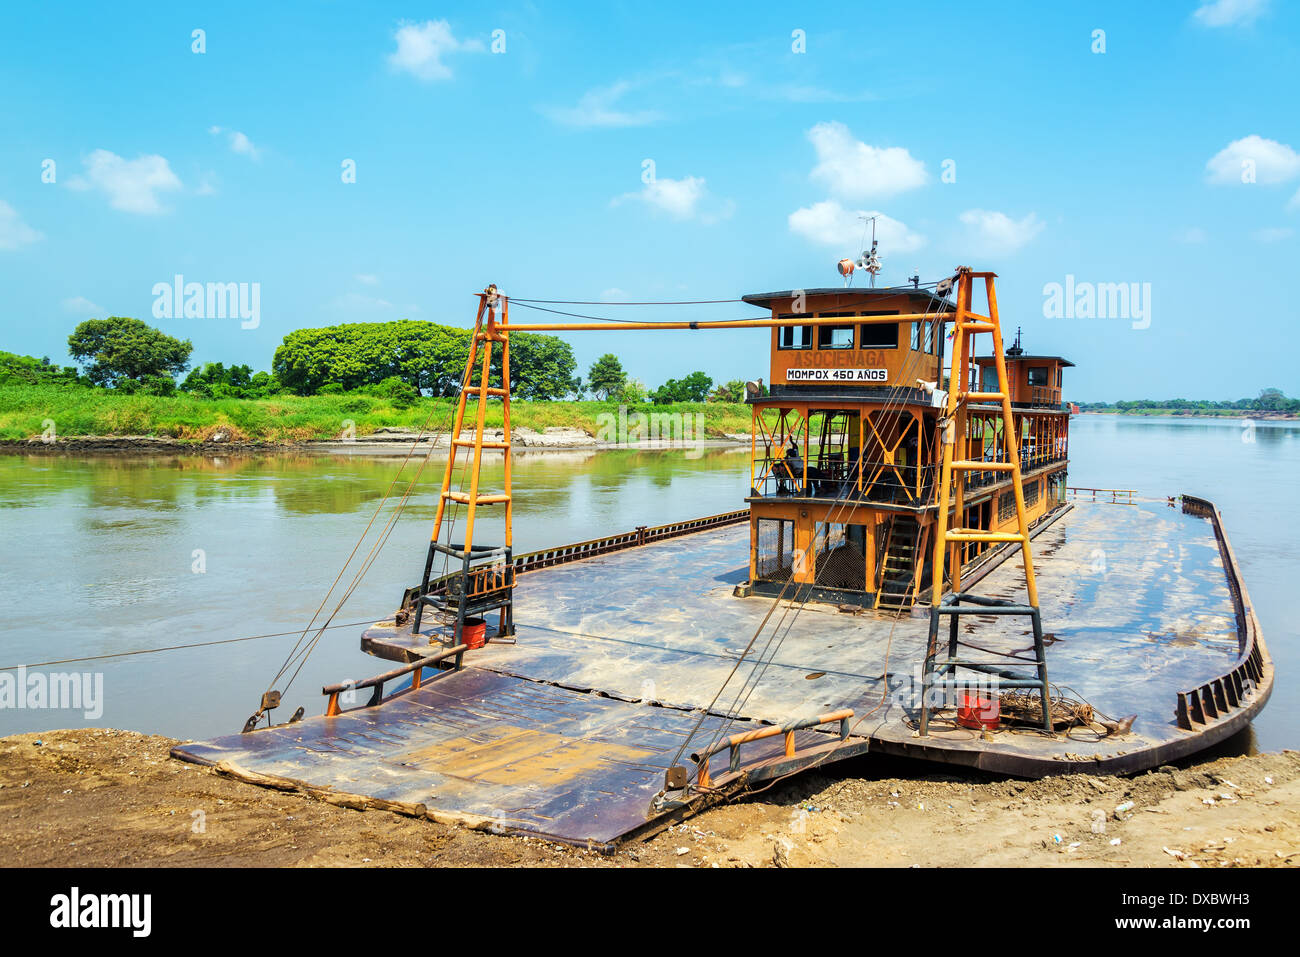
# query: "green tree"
1272,400
692,388
118,349
606,376
633,392
29,369
428,357
733,391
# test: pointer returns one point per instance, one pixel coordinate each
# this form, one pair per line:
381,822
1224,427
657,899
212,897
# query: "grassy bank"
27,410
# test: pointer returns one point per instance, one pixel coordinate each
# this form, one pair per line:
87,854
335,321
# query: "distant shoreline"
1194,413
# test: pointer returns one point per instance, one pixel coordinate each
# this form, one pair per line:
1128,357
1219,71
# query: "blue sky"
525,168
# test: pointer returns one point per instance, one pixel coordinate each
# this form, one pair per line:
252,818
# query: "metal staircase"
898,569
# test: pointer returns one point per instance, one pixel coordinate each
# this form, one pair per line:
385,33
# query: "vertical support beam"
956,382
1013,449
505,413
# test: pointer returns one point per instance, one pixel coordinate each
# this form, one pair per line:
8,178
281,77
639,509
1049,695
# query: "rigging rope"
894,403
196,644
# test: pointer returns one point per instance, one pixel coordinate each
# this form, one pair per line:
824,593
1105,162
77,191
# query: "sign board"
836,375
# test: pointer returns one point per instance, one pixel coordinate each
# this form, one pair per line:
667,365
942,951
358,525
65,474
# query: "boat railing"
1118,496
576,551
733,743
880,482
332,708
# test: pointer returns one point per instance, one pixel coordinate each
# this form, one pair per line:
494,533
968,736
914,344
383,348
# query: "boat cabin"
1034,380
846,452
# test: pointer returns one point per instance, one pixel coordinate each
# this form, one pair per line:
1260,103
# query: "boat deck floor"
568,731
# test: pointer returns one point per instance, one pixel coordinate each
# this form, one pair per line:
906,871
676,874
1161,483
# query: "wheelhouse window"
1038,375
879,335
795,337
834,337
923,337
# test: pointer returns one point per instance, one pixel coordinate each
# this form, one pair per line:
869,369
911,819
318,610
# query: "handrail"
734,742
1115,493
576,551
332,708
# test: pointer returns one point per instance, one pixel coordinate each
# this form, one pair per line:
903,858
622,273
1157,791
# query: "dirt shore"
104,798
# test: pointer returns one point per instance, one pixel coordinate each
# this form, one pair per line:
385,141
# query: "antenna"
869,260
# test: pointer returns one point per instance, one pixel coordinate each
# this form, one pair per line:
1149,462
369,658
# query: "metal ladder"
967,325
488,585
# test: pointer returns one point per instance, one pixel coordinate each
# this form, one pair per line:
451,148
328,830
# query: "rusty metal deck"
569,731
494,751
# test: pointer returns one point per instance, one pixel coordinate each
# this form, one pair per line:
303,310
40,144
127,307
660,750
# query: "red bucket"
474,633
981,714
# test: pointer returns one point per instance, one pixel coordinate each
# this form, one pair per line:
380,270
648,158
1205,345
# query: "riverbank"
104,798
48,415
384,442
1196,413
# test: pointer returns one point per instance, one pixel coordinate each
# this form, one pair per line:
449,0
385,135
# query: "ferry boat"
911,574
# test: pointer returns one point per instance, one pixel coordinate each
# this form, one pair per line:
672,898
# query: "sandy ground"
103,798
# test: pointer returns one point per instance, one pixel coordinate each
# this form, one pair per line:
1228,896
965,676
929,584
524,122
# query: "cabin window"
794,337
880,335
1058,377
1038,375
929,337
1006,506
918,337
834,337
1031,494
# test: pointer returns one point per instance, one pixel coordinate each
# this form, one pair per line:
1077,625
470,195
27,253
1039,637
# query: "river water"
103,555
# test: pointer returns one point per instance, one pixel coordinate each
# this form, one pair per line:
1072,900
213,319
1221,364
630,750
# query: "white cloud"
998,232
1274,162
1192,235
242,144
422,46
239,142
830,224
1229,13
130,185
599,108
1273,234
369,279
685,198
852,169
13,231
1294,202
82,306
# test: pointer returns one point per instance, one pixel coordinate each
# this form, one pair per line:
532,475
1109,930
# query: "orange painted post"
1013,453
